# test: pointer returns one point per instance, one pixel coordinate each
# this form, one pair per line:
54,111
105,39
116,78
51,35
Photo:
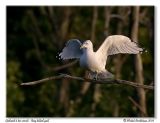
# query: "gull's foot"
95,78
92,75
102,76
107,76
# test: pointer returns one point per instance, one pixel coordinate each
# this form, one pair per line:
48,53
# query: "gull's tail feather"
101,76
106,75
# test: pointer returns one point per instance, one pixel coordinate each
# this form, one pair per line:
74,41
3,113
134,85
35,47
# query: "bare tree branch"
137,105
106,81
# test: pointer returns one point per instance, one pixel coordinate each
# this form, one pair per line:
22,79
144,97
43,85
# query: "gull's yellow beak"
82,47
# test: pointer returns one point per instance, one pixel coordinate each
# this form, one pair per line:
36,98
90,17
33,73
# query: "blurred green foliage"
35,35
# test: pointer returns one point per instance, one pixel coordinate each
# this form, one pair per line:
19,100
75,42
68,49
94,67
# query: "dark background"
35,36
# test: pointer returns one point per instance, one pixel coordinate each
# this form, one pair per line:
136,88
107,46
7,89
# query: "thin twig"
117,17
64,66
42,80
106,81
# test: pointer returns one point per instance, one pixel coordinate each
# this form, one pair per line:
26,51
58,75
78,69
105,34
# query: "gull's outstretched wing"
71,50
117,44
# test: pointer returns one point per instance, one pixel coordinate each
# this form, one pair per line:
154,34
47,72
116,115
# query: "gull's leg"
96,76
89,75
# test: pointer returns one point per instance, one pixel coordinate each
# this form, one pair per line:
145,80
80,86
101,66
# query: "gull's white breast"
90,61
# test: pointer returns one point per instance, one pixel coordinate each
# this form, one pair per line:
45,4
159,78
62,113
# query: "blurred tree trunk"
94,21
65,24
120,59
97,91
107,13
118,62
64,93
93,31
86,85
138,62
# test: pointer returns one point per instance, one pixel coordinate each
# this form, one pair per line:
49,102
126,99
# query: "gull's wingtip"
144,50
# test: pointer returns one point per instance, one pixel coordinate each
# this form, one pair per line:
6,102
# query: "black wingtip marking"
143,49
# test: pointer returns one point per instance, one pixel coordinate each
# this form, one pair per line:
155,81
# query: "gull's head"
87,45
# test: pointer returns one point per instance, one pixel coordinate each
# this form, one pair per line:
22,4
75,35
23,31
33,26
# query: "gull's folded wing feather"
71,50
